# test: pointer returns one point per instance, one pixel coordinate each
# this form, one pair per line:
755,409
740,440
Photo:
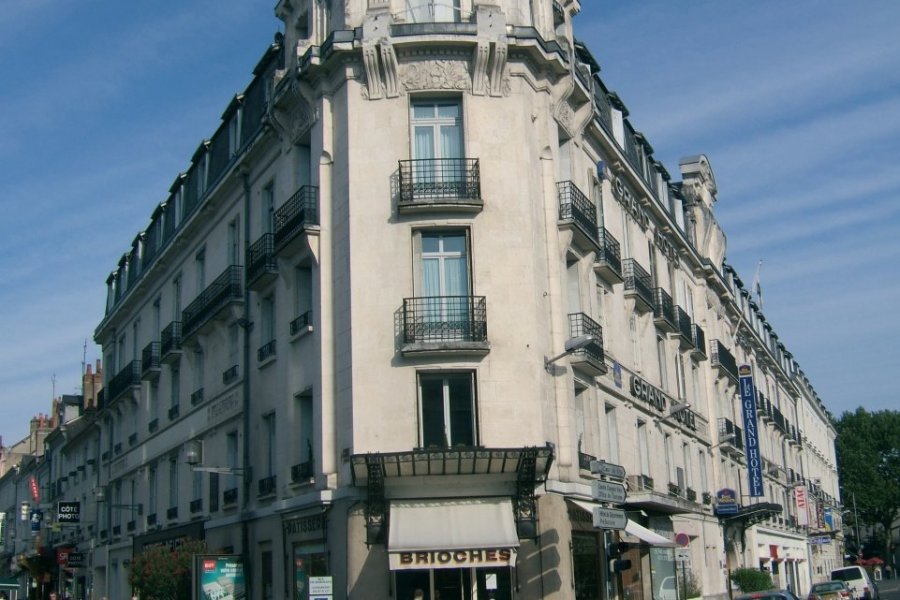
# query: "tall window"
643,448
670,458
234,242
303,291
199,369
197,485
271,445
686,457
231,457
304,408
267,575
151,490
437,140
447,409
427,11
704,481
612,434
679,376
175,387
661,356
445,268
233,344
267,319
200,269
173,482
176,298
267,208
157,318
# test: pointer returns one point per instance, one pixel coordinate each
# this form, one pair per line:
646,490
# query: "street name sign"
606,491
601,467
609,518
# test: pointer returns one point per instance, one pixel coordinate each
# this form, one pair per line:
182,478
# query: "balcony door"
445,283
437,145
429,11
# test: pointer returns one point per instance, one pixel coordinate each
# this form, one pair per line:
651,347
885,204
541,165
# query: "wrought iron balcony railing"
170,341
663,310
721,357
151,519
153,425
699,351
230,374
172,513
302,322
584,461
225,289
591,356
197,397
266,351
638,284
302,471
683,327
196,505
150,361
174,411
126,379
267,485
727,428
295,216
609,257
262,266
440,181
230,497
441,319
576,208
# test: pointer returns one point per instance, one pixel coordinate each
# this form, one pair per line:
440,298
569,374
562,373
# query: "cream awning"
452,533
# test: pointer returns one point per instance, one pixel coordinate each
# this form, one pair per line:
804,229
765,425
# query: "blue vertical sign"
751,433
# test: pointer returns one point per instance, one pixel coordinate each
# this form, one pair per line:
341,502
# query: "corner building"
337,349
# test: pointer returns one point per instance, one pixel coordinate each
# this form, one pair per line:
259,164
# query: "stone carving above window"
435,75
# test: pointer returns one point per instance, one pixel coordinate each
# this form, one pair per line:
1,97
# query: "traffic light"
614,552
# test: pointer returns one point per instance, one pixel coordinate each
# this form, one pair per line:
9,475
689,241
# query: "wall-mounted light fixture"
572,345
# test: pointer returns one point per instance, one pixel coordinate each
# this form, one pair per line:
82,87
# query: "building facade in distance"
422,276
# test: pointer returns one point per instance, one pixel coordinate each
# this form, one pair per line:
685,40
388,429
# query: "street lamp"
572,345
193,455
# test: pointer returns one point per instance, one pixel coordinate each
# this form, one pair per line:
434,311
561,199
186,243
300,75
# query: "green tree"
159,573
868,455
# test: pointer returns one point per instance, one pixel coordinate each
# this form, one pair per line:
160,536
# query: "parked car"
830,590
667,590
768,595
859,582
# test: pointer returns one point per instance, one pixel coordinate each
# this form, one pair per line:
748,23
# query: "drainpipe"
247,475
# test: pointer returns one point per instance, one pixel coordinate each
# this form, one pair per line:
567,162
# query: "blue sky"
797,105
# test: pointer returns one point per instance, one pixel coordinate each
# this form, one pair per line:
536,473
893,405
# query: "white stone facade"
349,302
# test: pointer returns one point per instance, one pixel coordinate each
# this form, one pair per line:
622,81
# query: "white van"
858,580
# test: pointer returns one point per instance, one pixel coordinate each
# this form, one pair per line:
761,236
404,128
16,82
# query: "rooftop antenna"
53,382
84,357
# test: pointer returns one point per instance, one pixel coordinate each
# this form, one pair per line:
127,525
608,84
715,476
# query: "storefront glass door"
454,584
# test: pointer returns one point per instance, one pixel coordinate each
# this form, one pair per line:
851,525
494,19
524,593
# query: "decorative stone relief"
435,75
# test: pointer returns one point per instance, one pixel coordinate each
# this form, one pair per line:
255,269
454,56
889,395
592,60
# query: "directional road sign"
609,518
607,491
601,467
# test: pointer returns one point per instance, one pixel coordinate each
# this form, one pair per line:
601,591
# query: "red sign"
62,556
35,493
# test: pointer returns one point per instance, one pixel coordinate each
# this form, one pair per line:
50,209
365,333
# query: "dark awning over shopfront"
453,533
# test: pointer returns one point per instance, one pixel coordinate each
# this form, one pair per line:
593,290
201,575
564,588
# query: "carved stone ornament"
435,75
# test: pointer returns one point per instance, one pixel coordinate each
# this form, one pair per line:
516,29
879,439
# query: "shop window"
309,561
586,565
454,584
447,409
